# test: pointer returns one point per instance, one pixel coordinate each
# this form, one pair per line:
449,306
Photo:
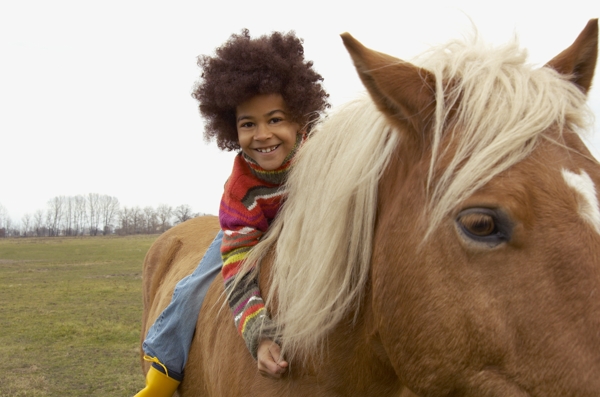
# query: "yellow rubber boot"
158,385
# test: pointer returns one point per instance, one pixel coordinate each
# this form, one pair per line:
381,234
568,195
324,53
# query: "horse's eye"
478,224
484,226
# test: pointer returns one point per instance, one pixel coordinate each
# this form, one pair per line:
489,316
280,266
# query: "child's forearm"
250,315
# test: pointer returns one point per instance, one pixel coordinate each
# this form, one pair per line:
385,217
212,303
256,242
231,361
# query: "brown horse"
440,238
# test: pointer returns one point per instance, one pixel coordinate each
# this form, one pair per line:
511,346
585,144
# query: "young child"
258,96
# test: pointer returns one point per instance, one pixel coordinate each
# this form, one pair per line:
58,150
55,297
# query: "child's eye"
275,120
247,124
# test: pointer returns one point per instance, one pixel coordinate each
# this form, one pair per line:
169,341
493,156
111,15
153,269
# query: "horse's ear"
579,60
399,89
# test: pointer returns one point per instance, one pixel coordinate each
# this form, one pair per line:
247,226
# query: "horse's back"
174,255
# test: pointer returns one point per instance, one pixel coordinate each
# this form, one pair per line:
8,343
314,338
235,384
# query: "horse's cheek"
435,316
410,295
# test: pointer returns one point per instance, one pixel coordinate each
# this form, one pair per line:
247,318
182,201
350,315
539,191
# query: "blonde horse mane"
323,236
325,229
503,106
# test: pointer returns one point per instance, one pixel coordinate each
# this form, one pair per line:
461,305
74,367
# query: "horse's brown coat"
444,317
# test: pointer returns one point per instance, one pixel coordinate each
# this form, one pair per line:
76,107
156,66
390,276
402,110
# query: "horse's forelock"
500,107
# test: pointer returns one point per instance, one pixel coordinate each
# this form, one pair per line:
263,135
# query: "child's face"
265,132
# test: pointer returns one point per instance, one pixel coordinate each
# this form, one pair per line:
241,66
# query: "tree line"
93,214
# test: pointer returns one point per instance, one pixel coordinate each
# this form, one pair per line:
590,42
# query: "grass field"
70,316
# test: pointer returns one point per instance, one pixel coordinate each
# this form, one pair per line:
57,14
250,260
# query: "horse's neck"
353,359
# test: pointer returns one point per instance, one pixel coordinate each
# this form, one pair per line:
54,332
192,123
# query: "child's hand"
270,362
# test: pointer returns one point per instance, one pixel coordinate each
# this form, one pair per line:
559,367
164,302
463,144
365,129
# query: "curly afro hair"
243,68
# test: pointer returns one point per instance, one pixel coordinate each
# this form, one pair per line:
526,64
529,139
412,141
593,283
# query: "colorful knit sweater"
250,202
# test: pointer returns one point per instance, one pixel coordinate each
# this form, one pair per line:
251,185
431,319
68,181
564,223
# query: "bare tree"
38,223
7,230
150,220
3,215
137,218
93,207
4,221
69,209
183,213
25,224
164,213
124,220
109,208
79,214
54,215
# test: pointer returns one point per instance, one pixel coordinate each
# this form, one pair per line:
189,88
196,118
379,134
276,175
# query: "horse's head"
486,266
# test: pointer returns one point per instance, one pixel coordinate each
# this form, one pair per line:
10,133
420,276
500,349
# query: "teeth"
267,149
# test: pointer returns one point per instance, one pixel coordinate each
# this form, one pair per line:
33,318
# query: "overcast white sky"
95,95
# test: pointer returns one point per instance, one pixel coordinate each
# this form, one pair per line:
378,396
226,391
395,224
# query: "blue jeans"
170,337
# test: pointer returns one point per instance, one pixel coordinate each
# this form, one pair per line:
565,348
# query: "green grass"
70,316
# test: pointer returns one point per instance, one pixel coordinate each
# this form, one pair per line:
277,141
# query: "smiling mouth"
267,149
